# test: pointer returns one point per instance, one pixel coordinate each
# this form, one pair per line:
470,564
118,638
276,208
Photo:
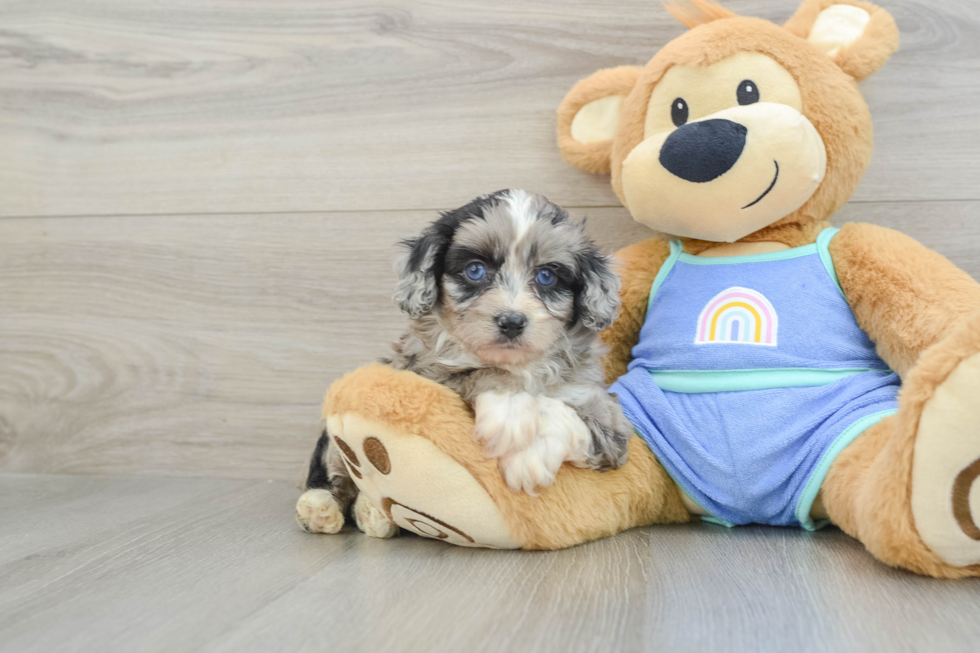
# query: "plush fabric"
862,58
638,266
582,505
906,486
592,156
876,270
830,99
868,492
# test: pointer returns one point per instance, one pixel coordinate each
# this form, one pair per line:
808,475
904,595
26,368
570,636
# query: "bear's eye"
748,92
678,111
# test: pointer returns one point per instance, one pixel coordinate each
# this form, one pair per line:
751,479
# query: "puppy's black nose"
702,151
511,325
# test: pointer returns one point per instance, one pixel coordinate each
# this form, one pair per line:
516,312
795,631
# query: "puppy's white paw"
534,467
505,422
532,437
371,520
559,421
318,512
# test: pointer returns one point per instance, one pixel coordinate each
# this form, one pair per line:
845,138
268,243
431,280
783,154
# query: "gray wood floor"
198,206
154,564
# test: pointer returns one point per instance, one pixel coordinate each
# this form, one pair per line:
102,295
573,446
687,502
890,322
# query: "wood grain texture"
130,107
202,346
232,177
220,566
44,514
202,554
189,345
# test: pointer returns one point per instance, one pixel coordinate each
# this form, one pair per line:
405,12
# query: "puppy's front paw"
558,422
560,435
318,512
611,446
371,520
534,467
505,422
610,434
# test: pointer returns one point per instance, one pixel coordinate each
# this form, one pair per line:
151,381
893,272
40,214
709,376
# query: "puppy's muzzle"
511,325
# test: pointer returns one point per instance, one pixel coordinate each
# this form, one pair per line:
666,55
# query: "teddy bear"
776,369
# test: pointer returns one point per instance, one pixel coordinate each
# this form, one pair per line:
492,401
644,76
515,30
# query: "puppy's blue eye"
545,277
476,271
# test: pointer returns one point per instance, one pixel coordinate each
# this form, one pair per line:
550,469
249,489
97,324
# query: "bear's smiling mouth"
759,198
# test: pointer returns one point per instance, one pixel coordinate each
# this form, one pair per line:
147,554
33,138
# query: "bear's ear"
589,115
858,36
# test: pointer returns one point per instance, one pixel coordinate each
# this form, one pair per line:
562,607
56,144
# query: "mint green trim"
823,243
819,247
699,381
812,488
675,251
795,252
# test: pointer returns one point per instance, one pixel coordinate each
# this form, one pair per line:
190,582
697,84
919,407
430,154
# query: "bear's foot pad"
946,466
416,485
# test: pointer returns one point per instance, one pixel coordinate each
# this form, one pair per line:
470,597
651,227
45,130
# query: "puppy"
505,296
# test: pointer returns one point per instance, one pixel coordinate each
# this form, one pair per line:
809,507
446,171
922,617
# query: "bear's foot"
945,494
405,481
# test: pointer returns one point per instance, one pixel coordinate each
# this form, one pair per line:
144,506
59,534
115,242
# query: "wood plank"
175,577
230,571
203,345
189,345
128,107
668,588
43,514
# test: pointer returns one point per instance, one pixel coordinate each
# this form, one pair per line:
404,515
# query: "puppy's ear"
858,36
598,302
419,269
589,116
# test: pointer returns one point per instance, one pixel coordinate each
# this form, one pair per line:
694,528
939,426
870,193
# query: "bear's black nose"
702,151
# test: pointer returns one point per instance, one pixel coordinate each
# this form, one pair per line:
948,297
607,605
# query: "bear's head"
738,129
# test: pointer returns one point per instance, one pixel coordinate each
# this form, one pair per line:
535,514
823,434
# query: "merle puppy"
505,296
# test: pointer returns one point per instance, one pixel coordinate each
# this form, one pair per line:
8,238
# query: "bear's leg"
410,449
908,487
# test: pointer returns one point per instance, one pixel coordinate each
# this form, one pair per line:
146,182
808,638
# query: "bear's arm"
638,266
906,297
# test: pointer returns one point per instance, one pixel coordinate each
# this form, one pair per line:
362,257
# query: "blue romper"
751,375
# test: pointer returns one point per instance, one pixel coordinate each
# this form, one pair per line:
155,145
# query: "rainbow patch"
738,316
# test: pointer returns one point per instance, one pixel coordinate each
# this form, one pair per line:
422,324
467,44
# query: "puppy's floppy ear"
857,36
598,301
419,269
589,116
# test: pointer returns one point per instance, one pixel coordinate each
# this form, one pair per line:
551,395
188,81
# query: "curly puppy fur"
505,297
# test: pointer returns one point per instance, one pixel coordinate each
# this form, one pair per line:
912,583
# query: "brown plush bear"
752,326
